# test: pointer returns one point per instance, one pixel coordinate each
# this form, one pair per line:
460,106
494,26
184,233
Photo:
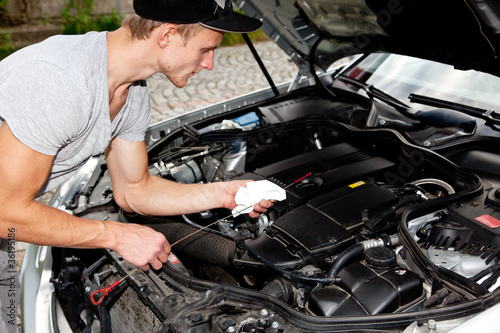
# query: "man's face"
185,60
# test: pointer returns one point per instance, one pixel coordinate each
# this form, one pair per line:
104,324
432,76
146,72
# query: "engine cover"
322,227
321,215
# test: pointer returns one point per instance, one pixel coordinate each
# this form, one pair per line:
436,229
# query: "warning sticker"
172,258
490,221
357,184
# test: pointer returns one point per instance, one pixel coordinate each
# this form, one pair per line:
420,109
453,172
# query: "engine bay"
379,227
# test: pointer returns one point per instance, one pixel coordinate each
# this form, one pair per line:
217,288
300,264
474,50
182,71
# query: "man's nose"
208,60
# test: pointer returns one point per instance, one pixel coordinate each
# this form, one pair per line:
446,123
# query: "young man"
72,97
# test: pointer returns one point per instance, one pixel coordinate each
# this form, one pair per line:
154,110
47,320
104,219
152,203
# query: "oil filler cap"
380,257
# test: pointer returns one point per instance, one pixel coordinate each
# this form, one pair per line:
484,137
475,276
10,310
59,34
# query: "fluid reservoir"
373,286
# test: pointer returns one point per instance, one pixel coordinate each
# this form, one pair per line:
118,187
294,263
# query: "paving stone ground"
235,73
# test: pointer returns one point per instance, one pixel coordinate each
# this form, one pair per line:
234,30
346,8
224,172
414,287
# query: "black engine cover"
324,226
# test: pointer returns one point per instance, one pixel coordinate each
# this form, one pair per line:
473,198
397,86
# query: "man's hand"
232,187
141,246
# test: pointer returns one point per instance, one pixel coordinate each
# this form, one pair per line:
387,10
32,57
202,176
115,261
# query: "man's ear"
165,34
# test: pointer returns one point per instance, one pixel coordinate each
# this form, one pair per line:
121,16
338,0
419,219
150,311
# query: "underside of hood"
464,33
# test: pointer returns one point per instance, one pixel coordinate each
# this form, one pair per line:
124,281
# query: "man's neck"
128,60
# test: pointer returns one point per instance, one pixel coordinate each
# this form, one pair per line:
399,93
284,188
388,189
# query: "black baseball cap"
213,14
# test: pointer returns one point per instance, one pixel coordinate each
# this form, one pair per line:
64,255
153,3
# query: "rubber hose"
436,298
203,245
345,257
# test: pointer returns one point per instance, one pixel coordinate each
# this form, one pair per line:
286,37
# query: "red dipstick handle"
104,292
298,180
306,175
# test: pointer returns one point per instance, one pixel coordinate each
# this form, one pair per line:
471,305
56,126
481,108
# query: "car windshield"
400,76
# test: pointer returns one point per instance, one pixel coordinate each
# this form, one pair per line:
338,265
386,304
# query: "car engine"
379,226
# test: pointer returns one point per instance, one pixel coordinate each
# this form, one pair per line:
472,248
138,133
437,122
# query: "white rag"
253,193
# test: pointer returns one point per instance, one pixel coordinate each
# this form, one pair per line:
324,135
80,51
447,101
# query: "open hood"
464,34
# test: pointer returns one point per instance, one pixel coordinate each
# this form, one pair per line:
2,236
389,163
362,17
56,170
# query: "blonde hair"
141,28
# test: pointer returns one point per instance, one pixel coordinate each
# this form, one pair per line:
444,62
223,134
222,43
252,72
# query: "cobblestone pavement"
235,73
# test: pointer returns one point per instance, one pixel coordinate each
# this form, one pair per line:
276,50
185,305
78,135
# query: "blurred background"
24,22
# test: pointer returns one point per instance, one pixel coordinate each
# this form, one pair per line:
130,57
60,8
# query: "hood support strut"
261,64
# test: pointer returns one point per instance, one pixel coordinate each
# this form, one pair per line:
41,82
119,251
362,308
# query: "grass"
6,47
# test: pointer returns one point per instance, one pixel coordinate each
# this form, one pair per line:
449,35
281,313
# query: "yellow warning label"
356,184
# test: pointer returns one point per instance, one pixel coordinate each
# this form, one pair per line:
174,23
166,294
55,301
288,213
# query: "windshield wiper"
491,116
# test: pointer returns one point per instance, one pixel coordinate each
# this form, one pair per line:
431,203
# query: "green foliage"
6,47
3,10
108,22
3,4
78,19
236,39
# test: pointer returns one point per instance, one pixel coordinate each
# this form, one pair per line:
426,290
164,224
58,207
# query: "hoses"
436,299
492,279
323,280
345,257
357,249
376,220
222,249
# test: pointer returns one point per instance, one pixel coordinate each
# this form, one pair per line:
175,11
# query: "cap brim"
234,22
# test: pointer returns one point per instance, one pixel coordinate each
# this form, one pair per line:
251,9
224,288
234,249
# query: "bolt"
427,143
230,329
275,324
382,122
264,312
87,289
431,325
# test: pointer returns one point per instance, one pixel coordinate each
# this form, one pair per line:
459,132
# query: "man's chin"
179,84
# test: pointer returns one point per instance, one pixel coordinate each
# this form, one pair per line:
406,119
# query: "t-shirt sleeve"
37,101
138,114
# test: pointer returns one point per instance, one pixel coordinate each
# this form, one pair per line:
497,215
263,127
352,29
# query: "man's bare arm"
136,191
24,172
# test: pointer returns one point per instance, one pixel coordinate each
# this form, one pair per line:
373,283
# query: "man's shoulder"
62,62
61,50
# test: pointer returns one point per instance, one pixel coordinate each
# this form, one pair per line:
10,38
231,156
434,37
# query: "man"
72,97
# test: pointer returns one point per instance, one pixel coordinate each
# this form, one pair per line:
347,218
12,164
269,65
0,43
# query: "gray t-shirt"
54,96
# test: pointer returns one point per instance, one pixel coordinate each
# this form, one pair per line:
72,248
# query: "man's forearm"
45,225
161,197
